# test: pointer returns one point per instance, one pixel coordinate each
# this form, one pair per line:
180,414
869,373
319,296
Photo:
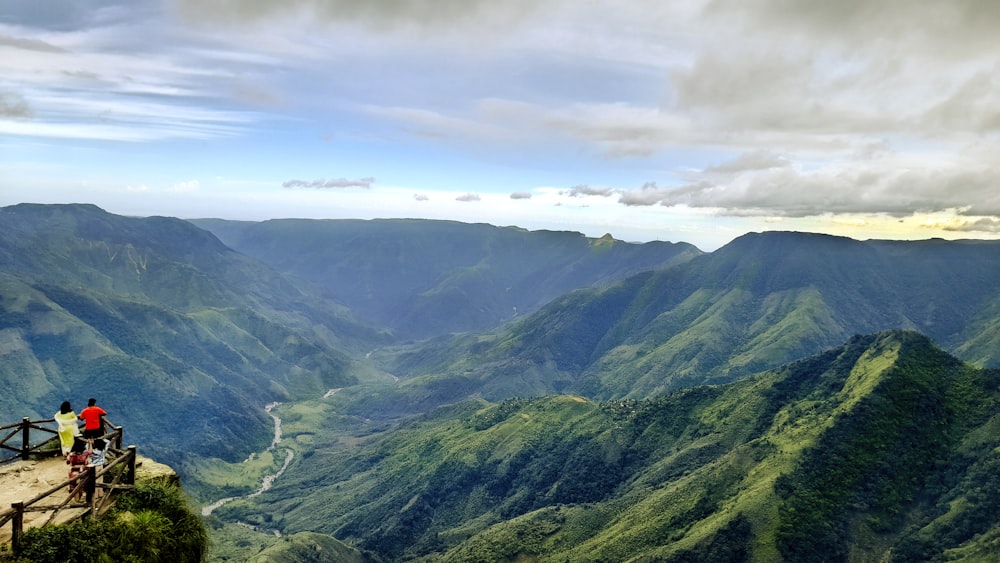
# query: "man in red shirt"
93,420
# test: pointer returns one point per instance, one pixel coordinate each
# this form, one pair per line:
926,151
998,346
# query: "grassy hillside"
424,278
180,338
881,446
762,301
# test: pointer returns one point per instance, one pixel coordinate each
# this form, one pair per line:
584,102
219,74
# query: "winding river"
268,480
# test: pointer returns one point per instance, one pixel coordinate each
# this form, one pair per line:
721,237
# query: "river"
268,480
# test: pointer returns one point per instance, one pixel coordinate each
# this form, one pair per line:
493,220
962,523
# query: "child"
99,452
98,456
77,460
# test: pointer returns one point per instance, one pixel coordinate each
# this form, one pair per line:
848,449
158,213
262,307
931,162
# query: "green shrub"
150,524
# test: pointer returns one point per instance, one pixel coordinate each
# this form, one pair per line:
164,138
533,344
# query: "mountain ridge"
860,451
727,314
94,304
423,278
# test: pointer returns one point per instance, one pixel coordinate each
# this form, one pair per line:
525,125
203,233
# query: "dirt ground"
21,481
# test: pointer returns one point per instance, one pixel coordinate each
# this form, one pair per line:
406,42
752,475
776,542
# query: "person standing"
93,420
69,427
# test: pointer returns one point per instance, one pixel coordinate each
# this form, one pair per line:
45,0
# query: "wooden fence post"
25,438
130,479
17,530
90,485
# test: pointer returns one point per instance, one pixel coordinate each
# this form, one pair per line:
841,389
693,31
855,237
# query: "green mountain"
761,301
424,278
309,547
180,338
882,449
663,427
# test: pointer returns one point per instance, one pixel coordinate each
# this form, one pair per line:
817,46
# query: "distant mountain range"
531,393
422,278
760,302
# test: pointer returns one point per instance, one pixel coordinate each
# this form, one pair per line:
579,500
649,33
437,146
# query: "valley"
267,480
362,388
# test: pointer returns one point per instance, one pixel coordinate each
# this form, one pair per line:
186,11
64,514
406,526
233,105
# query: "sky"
688,120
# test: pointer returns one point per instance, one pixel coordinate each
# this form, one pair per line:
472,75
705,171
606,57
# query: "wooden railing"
48,444
118,474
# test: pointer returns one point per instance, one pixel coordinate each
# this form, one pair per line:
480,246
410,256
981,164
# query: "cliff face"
148,470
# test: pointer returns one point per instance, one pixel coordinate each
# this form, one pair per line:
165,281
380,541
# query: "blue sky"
689,121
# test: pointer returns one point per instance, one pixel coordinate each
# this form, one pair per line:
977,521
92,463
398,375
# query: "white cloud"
582,190
188,186
331,183
743,108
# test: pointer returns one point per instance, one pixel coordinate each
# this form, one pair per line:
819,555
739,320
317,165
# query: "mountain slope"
180,338
424,278
881,448
761,301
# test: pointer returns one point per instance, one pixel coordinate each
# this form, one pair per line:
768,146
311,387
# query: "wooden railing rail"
47,444
121,468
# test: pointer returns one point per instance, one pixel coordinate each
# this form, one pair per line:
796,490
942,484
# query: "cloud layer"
740,108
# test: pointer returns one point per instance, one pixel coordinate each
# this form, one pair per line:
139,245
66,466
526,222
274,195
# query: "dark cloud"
520,195
951,28
468,197
971,106
333,183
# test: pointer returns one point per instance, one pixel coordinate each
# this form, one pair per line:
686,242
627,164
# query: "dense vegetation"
867,450
704,408
150,524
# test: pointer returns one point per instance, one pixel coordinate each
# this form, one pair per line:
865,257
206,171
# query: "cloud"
757,160
981,225
894,188
332,183
14,106
648,194
520,195
620,129
940,29
468,197
379,15
584,190
29,44
111,74
420,197
187,186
